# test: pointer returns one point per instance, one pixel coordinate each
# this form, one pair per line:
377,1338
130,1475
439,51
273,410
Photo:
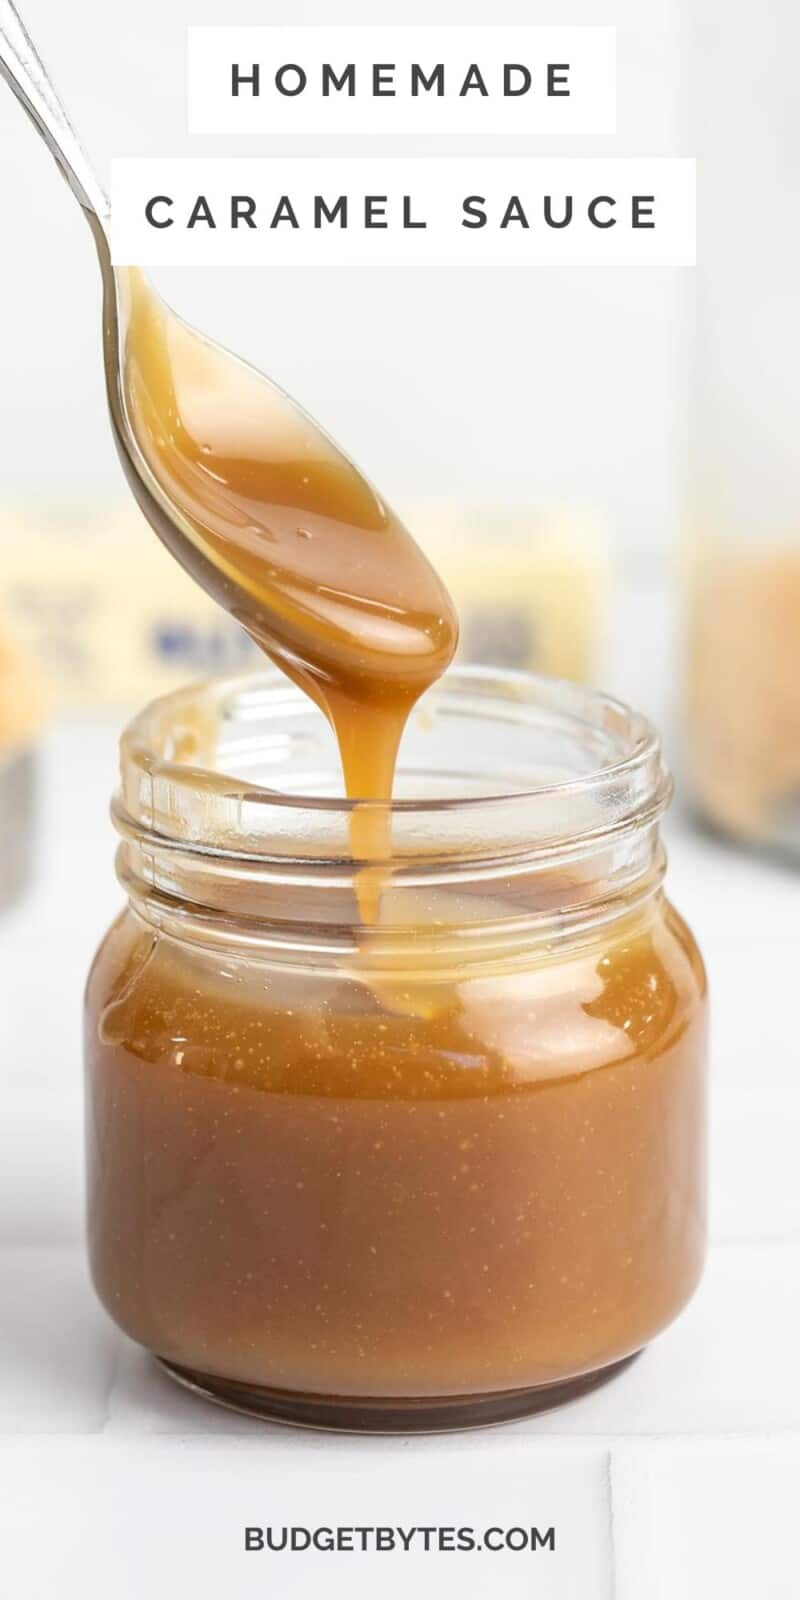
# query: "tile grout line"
611,1520
115,1364
634,1568
608,1442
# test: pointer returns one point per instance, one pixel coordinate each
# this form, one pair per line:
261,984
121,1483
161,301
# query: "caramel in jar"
296,1192
440,1174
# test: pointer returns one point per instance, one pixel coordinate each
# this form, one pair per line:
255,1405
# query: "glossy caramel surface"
282,528
297,1184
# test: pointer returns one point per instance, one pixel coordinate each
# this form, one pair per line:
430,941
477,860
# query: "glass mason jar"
743,700
441,1171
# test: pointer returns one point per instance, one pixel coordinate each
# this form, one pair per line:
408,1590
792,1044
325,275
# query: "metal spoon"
24,71
354,610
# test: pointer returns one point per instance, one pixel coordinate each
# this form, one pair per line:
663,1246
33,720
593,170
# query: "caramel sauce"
286,533
294,1186
332,1180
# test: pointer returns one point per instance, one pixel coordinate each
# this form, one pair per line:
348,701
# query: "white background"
679,1481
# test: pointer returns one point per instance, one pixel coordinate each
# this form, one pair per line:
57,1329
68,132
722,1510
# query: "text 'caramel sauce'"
286,533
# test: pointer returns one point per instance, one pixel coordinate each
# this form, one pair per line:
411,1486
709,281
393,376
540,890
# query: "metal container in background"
743,688
17,812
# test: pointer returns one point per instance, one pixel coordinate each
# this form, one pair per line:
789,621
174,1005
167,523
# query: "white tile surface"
755,1184
724,1520
179,1513
755,1025
41,1163
57,1349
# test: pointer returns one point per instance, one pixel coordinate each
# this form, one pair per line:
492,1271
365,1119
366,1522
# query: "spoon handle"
24,71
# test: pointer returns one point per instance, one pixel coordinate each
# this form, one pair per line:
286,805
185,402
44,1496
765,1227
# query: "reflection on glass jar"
441,1171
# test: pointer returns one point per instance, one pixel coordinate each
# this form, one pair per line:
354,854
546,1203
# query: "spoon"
25,73
249,494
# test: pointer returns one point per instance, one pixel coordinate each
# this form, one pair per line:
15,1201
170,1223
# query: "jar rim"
184,769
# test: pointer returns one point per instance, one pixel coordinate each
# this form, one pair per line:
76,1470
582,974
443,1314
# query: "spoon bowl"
248,493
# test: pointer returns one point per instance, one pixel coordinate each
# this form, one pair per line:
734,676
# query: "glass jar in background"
23,701
743,689
439,1171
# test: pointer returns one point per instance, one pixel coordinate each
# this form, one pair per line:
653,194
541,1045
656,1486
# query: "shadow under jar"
440,1172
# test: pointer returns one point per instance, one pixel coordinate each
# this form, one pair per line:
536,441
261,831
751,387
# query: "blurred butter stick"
104,608
91,594
530,587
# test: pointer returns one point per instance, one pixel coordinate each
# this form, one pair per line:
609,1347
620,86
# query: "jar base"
339,1414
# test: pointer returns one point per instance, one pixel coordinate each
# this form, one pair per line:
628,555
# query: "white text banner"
432,211
401,80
